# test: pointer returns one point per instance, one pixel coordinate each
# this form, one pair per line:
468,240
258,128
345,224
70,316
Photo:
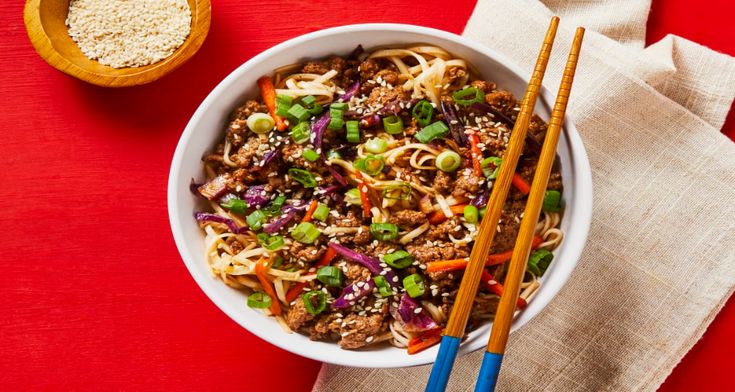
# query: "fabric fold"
658,264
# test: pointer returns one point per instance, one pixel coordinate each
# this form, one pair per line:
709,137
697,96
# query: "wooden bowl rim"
201,20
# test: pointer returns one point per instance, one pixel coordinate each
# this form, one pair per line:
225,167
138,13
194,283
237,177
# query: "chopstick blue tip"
489,372
443,364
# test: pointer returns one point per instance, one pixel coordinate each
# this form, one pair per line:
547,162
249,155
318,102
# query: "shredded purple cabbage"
455,125
267,158
481,200
350,92
256,196
276,225
328,191
317,131
353,293
366,261
288,212
214,188
412,321
338,177
370,120
207,217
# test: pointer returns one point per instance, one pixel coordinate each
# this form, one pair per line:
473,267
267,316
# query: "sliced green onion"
336,118
381,283
414,285
431,132
330,276
315,302
302,176
333,154
311,105
260,123
270,242
277,262
310,155
469,96
397,192
301,133
471,214
258,300
423,112
274,208
393,124
339,106
321,212
359,164
305,232
374,164
283,103
384,231
298,112
398,259
353,197
336,123
448,161
353,132
539,261
237,206
255,220
491,167
482,212
552,201
376,145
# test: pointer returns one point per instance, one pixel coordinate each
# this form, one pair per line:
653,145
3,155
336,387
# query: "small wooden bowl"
45,22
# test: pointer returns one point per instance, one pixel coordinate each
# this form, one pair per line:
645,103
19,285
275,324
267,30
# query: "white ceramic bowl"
206,128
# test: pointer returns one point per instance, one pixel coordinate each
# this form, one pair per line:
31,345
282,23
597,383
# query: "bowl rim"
580,163
41,42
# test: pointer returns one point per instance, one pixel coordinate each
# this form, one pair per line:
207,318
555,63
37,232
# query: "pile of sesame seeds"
128,33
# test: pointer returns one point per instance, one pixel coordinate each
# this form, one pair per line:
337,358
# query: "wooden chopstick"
517,268
484,239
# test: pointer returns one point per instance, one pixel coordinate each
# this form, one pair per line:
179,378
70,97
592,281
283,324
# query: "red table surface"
94,294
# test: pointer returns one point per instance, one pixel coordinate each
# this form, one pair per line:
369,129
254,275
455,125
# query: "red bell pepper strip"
520,184
297,288
476,155
460,264
496,288
438,217
268,92
424,341
260,268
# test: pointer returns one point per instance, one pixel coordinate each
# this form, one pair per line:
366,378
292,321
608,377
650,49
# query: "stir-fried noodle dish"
345,199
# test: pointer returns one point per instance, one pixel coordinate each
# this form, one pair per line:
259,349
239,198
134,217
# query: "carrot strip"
460,264
426,340
260,268
520,184
496,288
364,197
438,217
297,288
268,92
310,211
476,155
447,265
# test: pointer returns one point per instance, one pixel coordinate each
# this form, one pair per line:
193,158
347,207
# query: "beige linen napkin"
659,263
